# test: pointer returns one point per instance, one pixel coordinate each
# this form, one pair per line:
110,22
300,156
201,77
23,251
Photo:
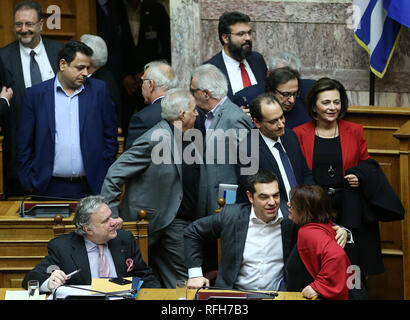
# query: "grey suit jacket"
231,226
150,185
229,118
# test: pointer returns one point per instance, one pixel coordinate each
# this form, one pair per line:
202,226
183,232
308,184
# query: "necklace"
331,172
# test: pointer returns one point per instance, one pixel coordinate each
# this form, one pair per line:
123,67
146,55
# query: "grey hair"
284,59
162,74
174,101
99,47
212,79
85,208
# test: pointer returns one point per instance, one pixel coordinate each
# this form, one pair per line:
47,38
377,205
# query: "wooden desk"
169,294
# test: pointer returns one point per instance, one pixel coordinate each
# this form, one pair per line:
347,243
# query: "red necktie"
245,77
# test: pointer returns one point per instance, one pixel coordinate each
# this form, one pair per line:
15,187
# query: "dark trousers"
58,188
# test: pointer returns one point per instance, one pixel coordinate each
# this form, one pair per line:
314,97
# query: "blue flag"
378,29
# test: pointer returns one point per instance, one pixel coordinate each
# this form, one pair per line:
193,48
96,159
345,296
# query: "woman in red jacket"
318,265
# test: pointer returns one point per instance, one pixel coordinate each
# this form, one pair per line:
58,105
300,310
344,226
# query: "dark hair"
71,48
280,75
255,107
25,5
227,19
312,204
326,84
262,176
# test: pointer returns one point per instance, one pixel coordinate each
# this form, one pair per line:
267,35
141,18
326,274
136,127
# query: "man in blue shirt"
68,130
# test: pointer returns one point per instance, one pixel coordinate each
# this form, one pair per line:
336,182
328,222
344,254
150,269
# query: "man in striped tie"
97,248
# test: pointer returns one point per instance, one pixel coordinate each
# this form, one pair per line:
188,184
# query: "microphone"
251,294
105,294
23,211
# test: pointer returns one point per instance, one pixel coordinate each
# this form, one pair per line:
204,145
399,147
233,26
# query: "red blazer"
354,146
324,259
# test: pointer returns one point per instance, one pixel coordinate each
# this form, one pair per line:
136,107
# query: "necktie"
245,77
35,73
286,164
103,266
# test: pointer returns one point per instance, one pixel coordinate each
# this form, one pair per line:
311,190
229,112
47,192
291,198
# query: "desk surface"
169,294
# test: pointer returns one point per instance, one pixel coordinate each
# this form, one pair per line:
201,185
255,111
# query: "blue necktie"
35,73
286,164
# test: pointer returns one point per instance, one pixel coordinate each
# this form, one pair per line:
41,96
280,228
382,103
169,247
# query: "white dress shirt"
42,59
234,72
275,152
262,263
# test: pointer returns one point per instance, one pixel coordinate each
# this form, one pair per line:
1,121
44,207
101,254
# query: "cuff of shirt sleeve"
7,100
195,272
44,286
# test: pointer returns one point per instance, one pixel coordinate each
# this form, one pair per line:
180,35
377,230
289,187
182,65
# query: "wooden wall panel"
380,125
77,17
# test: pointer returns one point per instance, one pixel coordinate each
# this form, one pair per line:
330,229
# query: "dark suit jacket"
259,69
10,55
267,162
36,139
298,115
231,225
3,103
69,253
142,121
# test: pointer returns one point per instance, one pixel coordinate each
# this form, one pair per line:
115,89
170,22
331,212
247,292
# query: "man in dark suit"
96,247
5,93
244,69
288,163
157,79
256,239
17,60
69,136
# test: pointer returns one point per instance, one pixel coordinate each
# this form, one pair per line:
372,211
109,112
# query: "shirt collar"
58,85
255,220
89,245
37,49
217,107
269,141
228,60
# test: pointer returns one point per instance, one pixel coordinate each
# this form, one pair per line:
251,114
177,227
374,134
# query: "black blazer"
10,55
3,103
68,252
143,121
231,226
259,69
267,162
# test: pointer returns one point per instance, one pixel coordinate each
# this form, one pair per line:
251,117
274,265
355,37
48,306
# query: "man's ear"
250,198
225,38
86,228
62,64
181,115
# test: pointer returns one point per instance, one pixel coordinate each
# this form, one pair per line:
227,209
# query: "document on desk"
21,295
63,292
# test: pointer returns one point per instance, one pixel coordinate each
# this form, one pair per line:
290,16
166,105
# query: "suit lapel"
118,255
80,258
49,101
241,231
83,106
222,66
17,68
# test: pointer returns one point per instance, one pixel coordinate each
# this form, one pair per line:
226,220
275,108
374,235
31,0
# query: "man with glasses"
244,69
284,84
279,148
30,59
157,79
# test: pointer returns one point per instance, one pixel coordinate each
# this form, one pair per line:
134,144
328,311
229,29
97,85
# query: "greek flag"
378,24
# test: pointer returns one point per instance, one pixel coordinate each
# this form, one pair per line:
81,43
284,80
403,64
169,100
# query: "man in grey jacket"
161,179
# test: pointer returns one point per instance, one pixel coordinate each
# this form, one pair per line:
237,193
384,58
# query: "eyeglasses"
142,80
241,34
27,24
288,94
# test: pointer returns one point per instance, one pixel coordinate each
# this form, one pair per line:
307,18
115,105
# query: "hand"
247,111
131,84
341,235
309,293
197,282
6,93
118,223
352,180
57,279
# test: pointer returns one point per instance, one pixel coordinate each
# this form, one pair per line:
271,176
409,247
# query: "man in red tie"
244,69
97,248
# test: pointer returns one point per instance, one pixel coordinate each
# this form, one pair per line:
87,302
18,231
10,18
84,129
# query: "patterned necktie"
35,73
245,76
103,265
286,164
